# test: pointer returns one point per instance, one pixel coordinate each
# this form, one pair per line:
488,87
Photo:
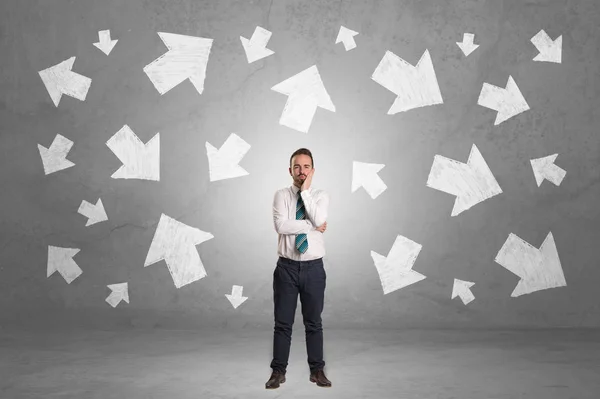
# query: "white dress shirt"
316,204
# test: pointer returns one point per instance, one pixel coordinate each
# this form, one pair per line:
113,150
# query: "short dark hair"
304,151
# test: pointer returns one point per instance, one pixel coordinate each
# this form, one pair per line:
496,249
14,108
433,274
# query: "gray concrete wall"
39,210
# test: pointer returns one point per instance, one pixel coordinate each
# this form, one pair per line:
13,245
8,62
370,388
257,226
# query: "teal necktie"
301,239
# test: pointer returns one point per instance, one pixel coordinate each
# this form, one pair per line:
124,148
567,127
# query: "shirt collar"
296,189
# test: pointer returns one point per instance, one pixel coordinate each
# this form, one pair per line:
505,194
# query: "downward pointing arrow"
94,213
54,158
463,290
140,161
550,50
256,47
467,45
59,80
105,44
508,102
223,163
346,36
236,298
61,260
395,271
539,269
544,168
365,175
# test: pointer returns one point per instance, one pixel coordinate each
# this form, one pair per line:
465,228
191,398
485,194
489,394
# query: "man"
299,216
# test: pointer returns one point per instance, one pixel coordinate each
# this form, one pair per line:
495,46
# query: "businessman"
299,216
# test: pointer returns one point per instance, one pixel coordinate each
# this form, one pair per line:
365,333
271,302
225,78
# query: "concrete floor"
403,364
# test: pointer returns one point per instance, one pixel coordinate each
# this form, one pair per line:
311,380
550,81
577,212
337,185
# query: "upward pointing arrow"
414,86
119,292
186,59
544,168
467,45
365,175
105,44
305,92
462,289
346,36
61,260
176,243
59,80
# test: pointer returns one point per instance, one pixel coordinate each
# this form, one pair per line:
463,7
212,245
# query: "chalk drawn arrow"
187,58
538,269
471,183
414,86
59,80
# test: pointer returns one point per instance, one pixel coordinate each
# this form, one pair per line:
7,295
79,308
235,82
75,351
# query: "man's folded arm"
316,206
284,225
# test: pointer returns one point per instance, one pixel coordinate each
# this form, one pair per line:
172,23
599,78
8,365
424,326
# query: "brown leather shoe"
277,377
320,379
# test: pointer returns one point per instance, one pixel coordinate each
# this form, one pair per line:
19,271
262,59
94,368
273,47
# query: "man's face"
301,166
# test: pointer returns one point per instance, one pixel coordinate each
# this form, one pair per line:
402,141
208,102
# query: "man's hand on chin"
307,182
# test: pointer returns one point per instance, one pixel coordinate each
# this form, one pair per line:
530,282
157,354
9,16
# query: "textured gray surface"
390,364
39,210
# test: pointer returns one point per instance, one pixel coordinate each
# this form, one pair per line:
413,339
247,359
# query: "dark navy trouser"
291,278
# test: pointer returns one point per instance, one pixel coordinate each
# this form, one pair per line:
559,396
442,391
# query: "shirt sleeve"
316,205
284,225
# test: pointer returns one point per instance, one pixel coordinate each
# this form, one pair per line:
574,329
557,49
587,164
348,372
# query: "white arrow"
346,36
365,175
119,293
140,161
105,44
94,213
539,269
508,102
59,80
61,260
471,183
544,168
55,157
223,163
305,92
414,87
550,50
186,59
256,47
236,297
462,289
176,243
395,271
467,45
